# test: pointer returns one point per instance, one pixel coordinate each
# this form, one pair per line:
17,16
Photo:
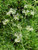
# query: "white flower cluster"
5,21
19,26
32,12
25,6
19,37
16,17
26,10
34,0
11,11
29,28
23,11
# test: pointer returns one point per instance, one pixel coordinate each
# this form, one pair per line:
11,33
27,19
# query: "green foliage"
18,25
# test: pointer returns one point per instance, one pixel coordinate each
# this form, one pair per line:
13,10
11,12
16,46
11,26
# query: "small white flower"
27,11
17,40
14,11
17,14
16,18
11,11
32,12
29,28
8,13
16,34
19,26
23,11
5,21
34,0
25,6
19,37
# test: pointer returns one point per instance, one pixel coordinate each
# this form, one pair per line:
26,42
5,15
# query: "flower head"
19,37
25,6
19,26
16,18
29,28
11,11
32,12
5,21
17,40
23,11
27,11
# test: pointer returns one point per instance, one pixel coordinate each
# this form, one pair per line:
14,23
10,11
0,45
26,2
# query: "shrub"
18,25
